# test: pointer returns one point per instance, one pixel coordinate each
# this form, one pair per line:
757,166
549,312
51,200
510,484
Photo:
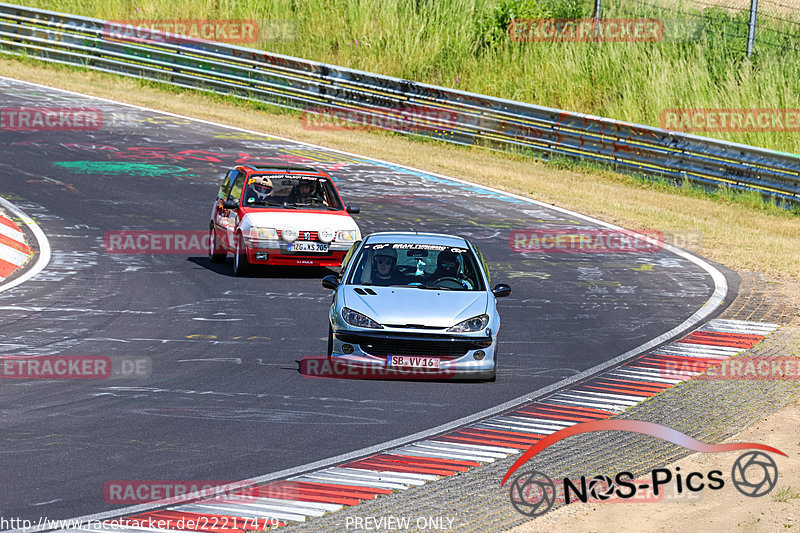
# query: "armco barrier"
406,106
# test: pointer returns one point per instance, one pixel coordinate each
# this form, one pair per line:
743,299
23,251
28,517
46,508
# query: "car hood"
298,220
408,305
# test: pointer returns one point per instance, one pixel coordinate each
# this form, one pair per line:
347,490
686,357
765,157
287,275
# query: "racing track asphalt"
225,400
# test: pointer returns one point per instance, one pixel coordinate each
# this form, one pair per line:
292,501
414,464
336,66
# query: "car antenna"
286,161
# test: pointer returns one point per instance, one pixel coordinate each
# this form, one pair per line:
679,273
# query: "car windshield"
290,192
424,266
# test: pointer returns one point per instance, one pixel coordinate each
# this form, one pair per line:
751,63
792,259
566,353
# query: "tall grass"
465,44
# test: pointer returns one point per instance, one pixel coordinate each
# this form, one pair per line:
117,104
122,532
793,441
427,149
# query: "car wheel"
330,342
213,248
240,258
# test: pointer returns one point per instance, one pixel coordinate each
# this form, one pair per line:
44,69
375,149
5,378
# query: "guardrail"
393,103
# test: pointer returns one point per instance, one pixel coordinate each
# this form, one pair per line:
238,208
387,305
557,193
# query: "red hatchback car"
280,215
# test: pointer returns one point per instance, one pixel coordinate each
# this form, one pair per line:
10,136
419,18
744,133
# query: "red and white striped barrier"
14,250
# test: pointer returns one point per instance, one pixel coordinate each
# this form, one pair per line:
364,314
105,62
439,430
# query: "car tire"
330,342
240,264
213,249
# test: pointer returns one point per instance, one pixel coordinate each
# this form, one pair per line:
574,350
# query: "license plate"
412,361
307,247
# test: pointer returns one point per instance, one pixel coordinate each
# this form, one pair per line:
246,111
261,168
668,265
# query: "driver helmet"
307,183
447,261
261,185
385,253
390,253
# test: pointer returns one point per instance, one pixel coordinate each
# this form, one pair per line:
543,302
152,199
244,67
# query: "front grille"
384,347
312,235
412,326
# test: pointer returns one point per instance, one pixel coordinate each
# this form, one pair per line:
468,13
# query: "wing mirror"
500,290
353,210
330,282
230,205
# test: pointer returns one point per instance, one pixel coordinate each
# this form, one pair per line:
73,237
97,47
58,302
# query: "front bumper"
456,353
276,252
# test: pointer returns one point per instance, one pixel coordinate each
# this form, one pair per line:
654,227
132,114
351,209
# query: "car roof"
277,167
416,237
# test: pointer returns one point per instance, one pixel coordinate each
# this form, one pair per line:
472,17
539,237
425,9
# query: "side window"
225,188
349,256
236,188
483,262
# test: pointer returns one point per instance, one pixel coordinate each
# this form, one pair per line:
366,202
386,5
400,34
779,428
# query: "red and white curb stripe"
14,249
316,493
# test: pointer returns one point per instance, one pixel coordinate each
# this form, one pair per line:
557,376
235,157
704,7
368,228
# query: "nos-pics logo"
533,493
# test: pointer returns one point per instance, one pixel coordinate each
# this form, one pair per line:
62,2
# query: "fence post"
597,9
751,34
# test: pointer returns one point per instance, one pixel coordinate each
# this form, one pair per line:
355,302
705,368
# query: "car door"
232,215
219,217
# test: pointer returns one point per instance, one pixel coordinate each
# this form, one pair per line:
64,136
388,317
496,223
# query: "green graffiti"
118,168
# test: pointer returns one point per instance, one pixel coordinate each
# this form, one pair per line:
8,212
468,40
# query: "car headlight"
327,235
469,325
348,235
263,233
290,235
354,318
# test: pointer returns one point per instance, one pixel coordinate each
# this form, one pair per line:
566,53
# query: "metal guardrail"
400,105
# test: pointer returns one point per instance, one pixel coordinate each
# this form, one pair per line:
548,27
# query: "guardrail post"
751,34
598,8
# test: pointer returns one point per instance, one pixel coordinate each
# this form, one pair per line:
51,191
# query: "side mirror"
230,204
330,282
500,290
353,210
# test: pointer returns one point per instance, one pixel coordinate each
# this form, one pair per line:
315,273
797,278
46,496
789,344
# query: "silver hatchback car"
415,304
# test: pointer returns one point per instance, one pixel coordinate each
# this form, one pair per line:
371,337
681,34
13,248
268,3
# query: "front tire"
240,264
214,253
330,343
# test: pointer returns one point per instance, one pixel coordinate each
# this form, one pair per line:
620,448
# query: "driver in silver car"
447,268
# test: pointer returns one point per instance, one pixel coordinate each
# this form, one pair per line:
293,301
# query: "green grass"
784,494
465,44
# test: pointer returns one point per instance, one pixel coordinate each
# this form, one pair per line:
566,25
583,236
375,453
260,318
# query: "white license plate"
307,247
412,361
